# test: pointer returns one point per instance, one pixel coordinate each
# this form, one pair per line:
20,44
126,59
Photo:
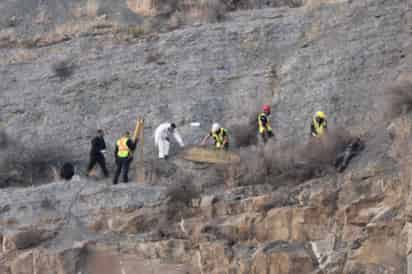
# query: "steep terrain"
64,78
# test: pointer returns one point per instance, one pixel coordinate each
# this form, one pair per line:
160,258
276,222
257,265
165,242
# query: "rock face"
334,58
58,87
351,222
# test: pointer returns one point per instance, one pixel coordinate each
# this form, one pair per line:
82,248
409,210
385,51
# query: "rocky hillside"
351,222
59,86
94,64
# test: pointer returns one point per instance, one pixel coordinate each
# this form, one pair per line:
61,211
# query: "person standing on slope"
265,131
124,156
97,153
162,137
319,124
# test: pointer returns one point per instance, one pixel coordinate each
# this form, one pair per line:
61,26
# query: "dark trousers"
266,135
122,164
98,159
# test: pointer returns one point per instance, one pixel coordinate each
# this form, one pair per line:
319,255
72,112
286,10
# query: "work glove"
270,134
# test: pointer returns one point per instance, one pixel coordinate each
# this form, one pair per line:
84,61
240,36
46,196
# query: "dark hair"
100,131
173,125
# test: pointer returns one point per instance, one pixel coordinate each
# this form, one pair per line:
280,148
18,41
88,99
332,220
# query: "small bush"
135,31
252,169
183,191
397,99
63,69
245,134
176,20
212,10
295,3
29,43
180,196
152,57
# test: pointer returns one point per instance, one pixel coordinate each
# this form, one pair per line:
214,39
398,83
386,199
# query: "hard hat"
320,114
266,108
215,127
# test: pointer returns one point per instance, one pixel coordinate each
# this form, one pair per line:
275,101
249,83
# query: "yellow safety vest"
219,137
263,128
122,148
319,127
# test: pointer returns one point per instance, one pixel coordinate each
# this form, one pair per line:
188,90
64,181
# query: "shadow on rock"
23,166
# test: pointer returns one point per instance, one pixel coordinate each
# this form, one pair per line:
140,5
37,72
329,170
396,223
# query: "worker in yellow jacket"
124,155
265,131
219,135
319,124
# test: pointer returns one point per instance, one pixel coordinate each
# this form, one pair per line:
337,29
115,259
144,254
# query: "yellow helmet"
320,114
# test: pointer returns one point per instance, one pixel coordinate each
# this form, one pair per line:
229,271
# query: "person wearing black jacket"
124,155
97,153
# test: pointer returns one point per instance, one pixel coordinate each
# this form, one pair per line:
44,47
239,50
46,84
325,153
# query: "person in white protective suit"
162,138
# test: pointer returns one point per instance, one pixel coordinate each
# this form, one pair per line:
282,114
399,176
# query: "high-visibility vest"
263,128
319,127
122,148
219,137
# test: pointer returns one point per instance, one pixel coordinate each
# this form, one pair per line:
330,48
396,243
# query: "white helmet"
215,127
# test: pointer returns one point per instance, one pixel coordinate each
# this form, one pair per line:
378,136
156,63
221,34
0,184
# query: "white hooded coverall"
162,137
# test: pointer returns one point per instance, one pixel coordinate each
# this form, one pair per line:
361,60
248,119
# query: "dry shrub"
63,68
324,150
397,99
180,196
152,57
245,134
258,4
158,172
135,31
151,25
29,43
252,168
280,163
212,10
19,56
176,20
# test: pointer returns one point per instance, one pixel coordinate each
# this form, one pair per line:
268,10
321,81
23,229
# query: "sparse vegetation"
63,69
152,57
29,43
397,99
135,31
176,20
180,195
245,134
279,163
212,10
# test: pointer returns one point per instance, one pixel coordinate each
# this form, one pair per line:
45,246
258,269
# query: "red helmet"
266,108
